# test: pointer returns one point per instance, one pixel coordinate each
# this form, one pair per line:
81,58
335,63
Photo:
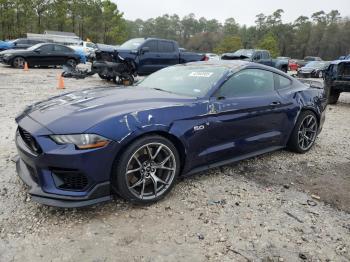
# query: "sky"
244,11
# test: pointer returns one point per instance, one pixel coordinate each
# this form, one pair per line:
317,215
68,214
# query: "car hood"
78,111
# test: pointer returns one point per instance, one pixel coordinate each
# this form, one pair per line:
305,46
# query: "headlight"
81,141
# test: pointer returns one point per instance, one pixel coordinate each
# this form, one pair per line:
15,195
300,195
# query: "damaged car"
337,79
81,148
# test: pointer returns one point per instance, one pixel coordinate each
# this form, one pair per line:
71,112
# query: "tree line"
322,34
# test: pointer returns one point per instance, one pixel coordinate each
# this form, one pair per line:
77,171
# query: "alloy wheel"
19,62
307,132
150,171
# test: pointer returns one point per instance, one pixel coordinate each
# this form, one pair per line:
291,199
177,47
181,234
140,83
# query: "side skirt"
231,160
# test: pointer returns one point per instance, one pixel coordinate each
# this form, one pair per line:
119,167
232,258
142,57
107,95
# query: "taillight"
205,58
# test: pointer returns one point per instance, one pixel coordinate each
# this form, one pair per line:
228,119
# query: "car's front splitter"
99,193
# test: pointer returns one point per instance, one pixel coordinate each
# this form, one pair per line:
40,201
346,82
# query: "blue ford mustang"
82,147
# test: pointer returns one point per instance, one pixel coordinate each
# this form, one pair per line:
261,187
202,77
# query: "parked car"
147,55
293,65
257,56
80,148
45,54
337,79
20,43
88,48
308,59
212,57
313,69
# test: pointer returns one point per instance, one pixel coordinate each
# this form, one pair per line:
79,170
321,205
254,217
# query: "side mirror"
144,49
37,51
15,43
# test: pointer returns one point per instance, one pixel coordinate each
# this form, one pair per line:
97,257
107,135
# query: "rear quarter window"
282,82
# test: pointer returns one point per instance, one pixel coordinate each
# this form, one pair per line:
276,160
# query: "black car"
313,69
45,54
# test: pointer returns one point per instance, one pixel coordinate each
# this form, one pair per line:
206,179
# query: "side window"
282,82
166,47
257,56
152,45
248,82
266,55
45,48
59,48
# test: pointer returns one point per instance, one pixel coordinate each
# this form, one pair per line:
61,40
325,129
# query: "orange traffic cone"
25,67
60,82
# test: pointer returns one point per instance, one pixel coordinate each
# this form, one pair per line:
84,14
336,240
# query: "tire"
333,97
71,62
142,179
104,77
300,137
18,62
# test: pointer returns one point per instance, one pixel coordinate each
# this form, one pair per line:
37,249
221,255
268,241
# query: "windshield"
316,64
243,52
132,44
193,81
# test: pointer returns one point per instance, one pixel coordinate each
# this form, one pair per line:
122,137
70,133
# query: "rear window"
282,82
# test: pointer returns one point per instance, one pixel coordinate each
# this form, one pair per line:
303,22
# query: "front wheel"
304,133
18,62
147,170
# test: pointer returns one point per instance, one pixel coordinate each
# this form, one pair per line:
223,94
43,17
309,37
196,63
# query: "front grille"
29,140
71,180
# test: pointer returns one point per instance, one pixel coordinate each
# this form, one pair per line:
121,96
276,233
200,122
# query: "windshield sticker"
201,74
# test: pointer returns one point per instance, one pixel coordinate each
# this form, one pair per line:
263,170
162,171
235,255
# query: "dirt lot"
260,209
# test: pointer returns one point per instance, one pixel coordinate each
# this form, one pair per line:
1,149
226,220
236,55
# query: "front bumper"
45,172
98,194
5,60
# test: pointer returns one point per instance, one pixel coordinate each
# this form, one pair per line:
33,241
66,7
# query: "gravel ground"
276,207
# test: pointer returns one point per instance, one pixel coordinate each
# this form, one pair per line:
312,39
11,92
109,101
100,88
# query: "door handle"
275,103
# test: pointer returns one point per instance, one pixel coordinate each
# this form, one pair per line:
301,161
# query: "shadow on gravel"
330,182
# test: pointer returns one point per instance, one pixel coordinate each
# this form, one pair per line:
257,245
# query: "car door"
42,55
246,117
167,54
149,57
60,54
265,58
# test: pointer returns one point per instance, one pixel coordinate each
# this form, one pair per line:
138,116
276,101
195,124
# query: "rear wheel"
304,133
147,170
18,62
